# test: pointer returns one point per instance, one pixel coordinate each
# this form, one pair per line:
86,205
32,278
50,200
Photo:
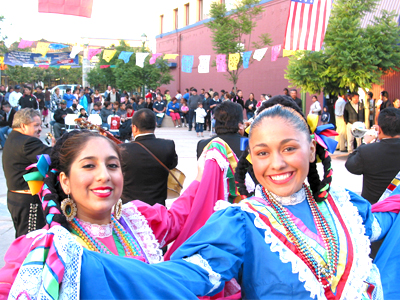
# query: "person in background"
108,91
68,97
233,94
96,97
83,101
47,98
83,114
14,97
200,116
227,97
6,123
396,103
178,95
315,108
9,91
124,96
286,91
184,111
149,102
88,95
186,95
340,124
55,99
113,96
40,97
206,106
371,101
239,98
250,106
20,151
173,111
59,117
115,107
159,109
125,130
193,102
28,100
167,96
104,113
76,93
141,104
122,110
202,92
326,116
96,109
293,95
214,102
353,112
382,103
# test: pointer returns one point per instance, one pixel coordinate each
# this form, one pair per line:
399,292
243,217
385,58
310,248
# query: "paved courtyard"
185,142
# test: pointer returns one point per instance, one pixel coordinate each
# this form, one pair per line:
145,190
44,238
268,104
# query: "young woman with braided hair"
290,241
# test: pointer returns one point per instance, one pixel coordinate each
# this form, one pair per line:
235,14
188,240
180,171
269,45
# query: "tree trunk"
366,110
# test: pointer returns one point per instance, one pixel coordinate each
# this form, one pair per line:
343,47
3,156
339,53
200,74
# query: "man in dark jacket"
144,177
293,95
193,102
20,150
59,117
228,116
378,162
353,112
6,123
28,100
114,96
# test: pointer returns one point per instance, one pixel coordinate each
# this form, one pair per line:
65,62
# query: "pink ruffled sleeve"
14,258
167,223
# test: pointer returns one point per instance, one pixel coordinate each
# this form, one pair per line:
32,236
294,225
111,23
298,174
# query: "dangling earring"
118,209
69,208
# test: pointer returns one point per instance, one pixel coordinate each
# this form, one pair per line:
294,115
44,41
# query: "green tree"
353,57
231,31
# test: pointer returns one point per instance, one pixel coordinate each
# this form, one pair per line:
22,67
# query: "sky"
121,19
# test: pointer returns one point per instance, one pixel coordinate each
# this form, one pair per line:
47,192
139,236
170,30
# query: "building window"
175,18
200,10
186,14
161,24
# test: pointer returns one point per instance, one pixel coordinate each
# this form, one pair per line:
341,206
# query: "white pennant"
259,53
75,50
204,65
140,57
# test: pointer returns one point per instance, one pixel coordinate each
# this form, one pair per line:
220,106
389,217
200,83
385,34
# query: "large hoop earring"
69,208
118,209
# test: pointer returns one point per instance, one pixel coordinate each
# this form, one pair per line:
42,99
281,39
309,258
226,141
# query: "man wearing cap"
14,97
59,117
20,150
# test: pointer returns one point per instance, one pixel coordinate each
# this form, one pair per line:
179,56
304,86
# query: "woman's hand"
200,165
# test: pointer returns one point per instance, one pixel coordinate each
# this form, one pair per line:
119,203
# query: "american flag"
306,25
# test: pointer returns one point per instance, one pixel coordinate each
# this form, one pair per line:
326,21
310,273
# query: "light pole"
144,39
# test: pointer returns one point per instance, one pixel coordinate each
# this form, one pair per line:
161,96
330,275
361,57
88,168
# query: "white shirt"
339,106
315,108
200,114
14,98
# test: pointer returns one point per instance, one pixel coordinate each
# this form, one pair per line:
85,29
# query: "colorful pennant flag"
154,58
80,8
275,50
93,52
246,59
108,54
187,63
204,65
140,58
104,66
28,65
306,25
170,56
221,63
233,61
42,48
44,66
75,50
125,56
65,67
259,53
113,66
57,46
25,44
288,52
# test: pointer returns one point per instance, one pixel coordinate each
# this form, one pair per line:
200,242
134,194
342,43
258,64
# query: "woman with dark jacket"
206,106
250,106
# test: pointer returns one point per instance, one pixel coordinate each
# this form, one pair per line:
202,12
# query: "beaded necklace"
326,271
129,244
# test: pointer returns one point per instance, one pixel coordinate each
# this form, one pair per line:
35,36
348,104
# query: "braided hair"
62,156
286,108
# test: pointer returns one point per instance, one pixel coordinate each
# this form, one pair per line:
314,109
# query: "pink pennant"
221,63
44,66
93,52
320,141
104,66
154,58
25,44
275,50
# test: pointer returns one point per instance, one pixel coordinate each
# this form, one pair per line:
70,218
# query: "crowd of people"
258,222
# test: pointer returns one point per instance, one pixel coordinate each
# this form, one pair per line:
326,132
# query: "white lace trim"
294,199
96,230
143,233
311,283
249,183
221,204
376,230
29,278
223,164
214,277
362,263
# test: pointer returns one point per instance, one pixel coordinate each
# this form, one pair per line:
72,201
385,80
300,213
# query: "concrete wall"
261,77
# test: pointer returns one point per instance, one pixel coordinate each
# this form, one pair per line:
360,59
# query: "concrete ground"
185,143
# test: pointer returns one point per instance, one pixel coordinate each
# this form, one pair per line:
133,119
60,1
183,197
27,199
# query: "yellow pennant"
288,52
170,56
42,48
233,61
65,67
108,55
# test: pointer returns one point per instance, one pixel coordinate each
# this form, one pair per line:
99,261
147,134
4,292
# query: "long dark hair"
281,106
